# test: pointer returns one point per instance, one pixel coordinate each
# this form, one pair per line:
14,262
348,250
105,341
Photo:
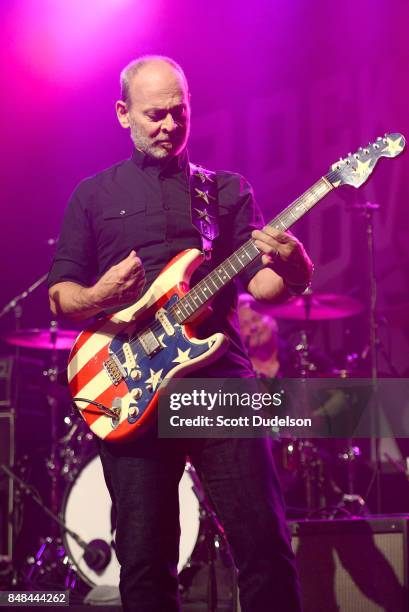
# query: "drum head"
87,511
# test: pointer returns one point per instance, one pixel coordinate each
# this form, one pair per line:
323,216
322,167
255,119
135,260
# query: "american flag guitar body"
117,365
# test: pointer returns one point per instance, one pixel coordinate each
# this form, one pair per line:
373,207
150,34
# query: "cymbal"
316,307
60,339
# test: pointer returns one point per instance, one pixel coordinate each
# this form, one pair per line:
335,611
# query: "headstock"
356,168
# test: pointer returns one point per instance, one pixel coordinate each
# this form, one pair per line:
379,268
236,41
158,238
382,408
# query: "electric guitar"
117,366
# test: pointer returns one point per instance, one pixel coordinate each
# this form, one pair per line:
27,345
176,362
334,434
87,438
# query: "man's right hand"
122,284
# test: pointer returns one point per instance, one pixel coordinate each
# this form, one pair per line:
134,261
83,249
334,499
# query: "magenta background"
280,90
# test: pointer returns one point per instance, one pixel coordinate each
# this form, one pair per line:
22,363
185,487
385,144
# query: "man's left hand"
285,254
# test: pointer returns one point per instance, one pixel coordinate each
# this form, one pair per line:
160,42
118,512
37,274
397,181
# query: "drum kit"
305,466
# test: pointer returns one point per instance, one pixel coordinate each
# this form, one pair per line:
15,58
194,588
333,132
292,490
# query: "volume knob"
133,411
136,393
135,374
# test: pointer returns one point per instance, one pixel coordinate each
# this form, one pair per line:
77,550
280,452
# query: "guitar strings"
134,340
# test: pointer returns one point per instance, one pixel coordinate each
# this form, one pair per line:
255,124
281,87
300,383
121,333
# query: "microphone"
97,555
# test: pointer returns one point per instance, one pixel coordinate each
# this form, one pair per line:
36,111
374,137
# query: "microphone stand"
15,301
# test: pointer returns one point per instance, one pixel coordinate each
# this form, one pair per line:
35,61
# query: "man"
121,227
259,332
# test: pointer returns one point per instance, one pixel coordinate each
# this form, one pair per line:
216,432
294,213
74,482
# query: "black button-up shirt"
144,204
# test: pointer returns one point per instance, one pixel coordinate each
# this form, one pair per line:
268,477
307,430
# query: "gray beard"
143,143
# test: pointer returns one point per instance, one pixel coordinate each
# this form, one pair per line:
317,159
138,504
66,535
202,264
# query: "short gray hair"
135,65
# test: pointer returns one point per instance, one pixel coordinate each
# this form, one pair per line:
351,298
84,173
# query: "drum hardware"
49,566
375,346
402,467
88,491
212,543
94,552
354,505
306,365
302,461
6,572
53,340
74,447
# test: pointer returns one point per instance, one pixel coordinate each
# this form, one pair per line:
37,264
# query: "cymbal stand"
15,305
53,461
368,212
214,538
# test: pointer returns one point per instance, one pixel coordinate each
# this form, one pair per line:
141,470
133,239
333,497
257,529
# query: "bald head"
155,106
150,67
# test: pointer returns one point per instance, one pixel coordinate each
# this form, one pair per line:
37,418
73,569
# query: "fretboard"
214,282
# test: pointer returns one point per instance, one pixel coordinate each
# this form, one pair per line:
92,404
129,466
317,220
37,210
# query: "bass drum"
87,510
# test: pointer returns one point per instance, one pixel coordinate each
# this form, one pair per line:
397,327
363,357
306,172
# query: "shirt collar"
165,167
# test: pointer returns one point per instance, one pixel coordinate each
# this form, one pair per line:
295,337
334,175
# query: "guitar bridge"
113,371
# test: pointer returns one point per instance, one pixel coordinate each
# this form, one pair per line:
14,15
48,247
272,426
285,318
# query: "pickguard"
176,352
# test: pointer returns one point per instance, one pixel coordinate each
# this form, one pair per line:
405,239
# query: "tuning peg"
379,138
366,151
356,156
376,146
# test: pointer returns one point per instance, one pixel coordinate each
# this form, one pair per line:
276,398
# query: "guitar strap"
203,205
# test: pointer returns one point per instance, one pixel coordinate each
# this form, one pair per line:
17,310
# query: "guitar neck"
215,281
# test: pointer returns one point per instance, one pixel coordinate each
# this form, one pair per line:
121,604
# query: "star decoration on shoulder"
204,215
204,195
203,176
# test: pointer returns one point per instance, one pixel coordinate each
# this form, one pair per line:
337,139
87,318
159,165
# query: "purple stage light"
62,40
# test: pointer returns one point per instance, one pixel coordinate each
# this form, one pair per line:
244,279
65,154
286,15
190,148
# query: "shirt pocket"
123,223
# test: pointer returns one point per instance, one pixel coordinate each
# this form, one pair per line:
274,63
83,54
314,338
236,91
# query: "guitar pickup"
150,343
130,360
162,317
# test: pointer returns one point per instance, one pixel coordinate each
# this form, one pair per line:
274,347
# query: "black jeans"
240,480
